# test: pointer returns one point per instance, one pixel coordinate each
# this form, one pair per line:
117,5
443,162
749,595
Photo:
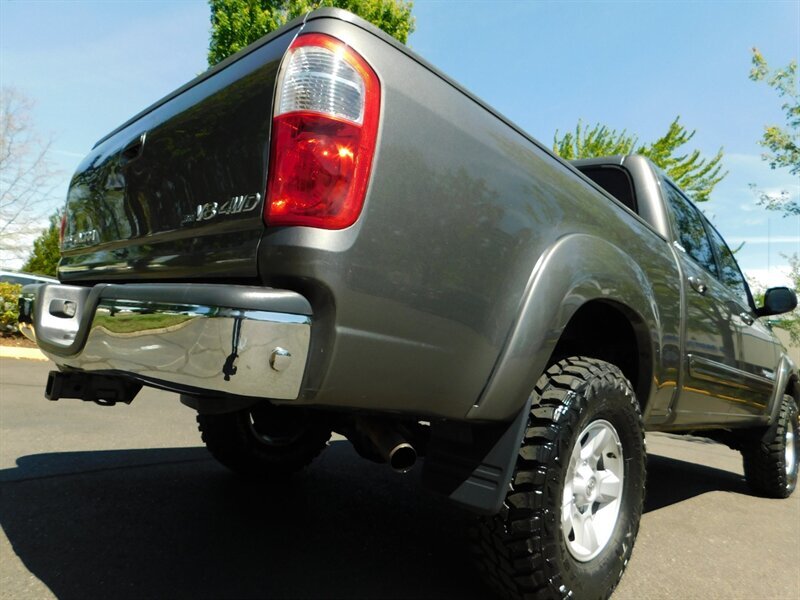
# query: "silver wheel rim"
592,490
790,456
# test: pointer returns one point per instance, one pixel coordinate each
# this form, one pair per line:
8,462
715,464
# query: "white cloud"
15,259
738,217
761,279
763,239
791,191
68,153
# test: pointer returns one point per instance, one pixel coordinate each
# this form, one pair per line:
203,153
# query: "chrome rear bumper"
189,338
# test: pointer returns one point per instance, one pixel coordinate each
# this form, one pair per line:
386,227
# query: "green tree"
238,23
46,252
694,174
790,321
782,142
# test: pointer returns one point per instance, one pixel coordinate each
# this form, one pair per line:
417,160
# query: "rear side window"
14,280
729,272
689,229
615,181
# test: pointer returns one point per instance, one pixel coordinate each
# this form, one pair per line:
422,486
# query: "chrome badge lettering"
209,210
82,238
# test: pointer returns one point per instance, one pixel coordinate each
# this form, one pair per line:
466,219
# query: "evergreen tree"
46,252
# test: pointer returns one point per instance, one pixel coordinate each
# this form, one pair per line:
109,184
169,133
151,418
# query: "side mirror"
777,301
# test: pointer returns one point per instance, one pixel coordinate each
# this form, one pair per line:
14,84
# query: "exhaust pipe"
393,447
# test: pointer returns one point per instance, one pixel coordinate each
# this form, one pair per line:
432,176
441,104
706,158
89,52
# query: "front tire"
264,440
770,456
569,521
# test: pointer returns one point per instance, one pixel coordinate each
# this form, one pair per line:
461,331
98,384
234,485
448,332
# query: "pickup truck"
325,233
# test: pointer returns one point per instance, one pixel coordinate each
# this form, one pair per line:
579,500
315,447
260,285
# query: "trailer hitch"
105,390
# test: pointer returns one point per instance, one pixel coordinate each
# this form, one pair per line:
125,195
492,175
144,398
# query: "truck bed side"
431,292
414,304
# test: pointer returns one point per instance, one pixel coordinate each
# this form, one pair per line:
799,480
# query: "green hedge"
9,309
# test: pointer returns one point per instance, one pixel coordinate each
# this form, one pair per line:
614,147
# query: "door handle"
698,285
746,317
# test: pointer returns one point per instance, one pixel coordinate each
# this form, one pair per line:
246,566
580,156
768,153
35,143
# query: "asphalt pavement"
124,502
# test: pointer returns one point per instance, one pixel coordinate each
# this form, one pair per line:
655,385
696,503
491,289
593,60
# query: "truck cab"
733,367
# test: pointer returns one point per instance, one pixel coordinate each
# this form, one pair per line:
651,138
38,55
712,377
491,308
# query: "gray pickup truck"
325,233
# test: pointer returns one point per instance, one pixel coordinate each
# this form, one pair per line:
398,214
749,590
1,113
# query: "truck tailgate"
177,192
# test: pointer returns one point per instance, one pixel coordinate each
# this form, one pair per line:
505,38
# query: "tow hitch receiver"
104,390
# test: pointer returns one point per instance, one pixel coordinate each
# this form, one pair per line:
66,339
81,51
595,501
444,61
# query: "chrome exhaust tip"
402,458
391,444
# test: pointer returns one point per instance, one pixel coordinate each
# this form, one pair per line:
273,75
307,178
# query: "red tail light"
63,228
323,135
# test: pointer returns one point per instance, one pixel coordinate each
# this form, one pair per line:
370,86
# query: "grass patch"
134,323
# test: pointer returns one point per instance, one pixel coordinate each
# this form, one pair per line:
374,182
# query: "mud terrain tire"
770,455
263,441
526,551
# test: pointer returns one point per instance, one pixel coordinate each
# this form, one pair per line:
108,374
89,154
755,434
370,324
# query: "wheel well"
793,388
613,333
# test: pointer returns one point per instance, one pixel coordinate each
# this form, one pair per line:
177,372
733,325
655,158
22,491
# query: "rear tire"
770,455
569,521
263,440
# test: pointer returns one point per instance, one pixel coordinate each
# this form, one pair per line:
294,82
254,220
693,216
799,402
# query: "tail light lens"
63,228
323,135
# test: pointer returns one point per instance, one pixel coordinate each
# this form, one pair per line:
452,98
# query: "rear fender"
558,286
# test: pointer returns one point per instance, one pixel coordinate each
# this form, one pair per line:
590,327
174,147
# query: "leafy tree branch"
238,23
693,173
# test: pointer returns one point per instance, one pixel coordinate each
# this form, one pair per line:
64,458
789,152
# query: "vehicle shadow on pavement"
670,481
169,523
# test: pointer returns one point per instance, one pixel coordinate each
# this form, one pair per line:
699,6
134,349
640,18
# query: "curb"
22,353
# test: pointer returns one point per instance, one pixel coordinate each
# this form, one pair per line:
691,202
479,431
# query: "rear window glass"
14,279
615,181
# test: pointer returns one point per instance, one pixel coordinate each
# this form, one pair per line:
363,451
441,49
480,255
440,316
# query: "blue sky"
631,65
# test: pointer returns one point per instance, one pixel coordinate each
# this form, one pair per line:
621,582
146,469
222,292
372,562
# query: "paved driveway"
122,502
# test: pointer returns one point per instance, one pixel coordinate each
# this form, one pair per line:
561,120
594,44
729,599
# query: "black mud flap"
471,463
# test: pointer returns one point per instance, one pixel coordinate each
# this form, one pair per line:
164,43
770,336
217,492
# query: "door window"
729,272
689,229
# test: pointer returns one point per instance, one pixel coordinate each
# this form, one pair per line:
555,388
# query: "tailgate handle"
63,309
133,149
